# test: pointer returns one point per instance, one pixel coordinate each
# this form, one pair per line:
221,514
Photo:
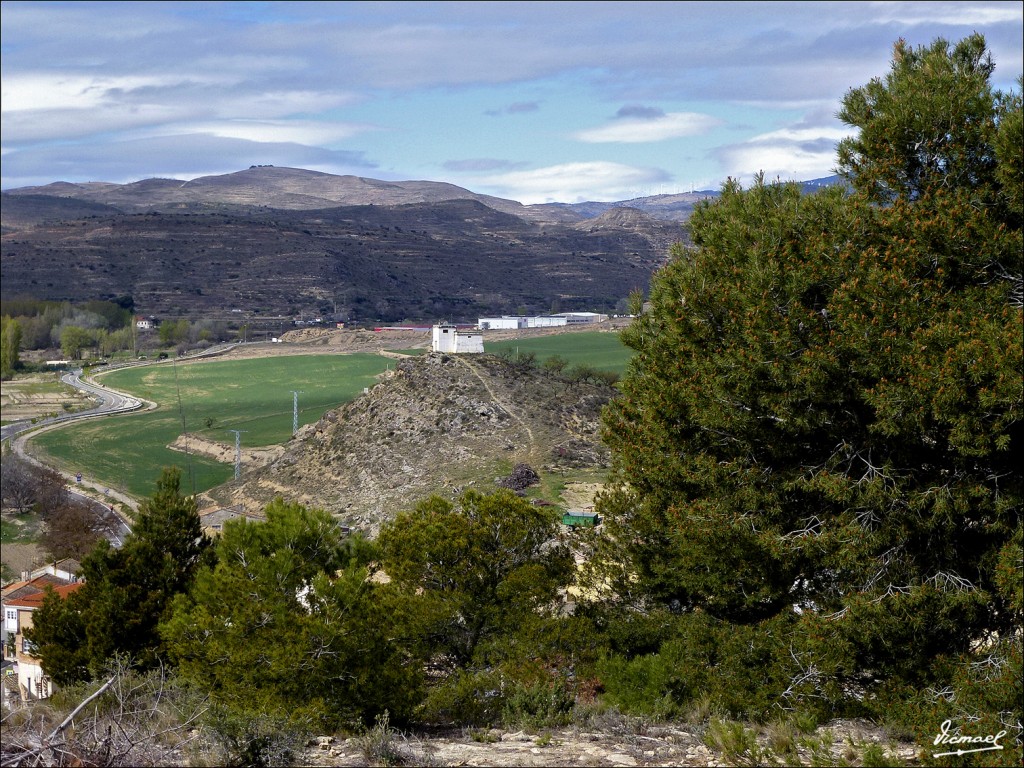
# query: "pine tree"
480,571
822,420
287,625
127,589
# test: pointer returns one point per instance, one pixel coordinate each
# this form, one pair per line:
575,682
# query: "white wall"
448,339
545,321
469,342
444,338
503,323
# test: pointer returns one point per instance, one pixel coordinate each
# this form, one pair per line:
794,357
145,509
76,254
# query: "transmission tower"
295,410
238,451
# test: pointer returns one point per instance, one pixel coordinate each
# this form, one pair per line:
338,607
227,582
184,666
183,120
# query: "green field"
604,351
208,399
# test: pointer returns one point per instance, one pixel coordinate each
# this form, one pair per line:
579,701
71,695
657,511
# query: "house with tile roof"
19,600
33,683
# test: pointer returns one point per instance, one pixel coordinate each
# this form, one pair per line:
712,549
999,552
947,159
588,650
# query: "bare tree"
128,720
73,529
24,486
17,483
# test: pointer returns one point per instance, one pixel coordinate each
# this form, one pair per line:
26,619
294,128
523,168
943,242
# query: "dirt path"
509,409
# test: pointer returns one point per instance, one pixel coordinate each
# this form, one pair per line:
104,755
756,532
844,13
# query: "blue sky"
535,101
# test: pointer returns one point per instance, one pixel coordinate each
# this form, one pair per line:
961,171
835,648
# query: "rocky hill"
285,242
435,424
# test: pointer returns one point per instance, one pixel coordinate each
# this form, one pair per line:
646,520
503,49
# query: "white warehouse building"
503,323
515,322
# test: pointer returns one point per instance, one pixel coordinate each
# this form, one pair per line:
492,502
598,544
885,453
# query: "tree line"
103,328
814,510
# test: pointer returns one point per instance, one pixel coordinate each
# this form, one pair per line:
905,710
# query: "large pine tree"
822,421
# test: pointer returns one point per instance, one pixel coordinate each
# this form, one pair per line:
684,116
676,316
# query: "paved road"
111,402
115,527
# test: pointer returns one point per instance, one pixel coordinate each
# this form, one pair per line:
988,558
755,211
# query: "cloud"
43,106
573,182
952,14
309,132
638,110
519,108
794,153
481,164
672,125
522,106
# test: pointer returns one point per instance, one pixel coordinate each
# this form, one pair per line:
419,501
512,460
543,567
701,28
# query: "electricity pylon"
238,451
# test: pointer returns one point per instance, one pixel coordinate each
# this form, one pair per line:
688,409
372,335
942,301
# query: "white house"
448,338
33,683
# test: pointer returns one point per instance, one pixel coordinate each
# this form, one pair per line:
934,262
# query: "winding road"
110,402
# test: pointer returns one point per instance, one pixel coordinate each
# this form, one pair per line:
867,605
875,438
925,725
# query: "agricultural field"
600,349
38,395
207,400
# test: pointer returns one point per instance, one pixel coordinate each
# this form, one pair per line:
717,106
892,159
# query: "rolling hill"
287,242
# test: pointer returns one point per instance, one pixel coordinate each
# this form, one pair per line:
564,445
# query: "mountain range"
289,242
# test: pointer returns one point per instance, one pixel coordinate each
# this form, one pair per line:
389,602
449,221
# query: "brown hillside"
436,424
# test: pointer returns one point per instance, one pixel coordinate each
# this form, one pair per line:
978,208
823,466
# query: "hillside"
250,243
436,424
270,187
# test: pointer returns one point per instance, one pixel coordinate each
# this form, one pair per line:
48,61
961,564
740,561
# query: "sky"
532,101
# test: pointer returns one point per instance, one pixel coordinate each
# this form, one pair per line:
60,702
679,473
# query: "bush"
980,695
467,698
555,364
255,739
711,665
540,704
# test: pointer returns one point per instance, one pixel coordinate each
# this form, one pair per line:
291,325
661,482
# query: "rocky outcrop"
435,425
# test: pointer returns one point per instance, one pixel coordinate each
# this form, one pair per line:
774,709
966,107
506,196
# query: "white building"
515,322
545,321
448,338
582,317
503,323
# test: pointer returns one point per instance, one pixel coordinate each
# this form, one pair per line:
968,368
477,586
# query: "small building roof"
67,564
30,586
35,599
215,518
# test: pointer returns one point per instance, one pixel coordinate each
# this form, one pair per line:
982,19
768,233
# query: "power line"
184,429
